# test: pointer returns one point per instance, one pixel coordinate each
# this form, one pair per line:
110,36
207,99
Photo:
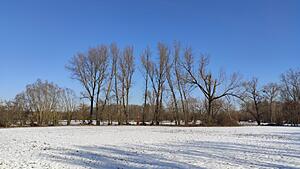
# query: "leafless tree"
291,85
84,69
157,75
69,103
145,59
183,84
290,93
43,99
115,53
171,79
253,99
271,92
108,88
90,70
101,54
126,66
213,88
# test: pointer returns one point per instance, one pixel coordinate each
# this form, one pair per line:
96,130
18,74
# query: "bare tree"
290,93
213,88
108,88
253,99
179,79
172,66
127,69
145,58
69,103
43,100
115,53
90,70
157,75
291,85
84,69
101,54
22,108
183,84
271,92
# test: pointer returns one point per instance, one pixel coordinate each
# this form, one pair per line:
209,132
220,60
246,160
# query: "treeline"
178,86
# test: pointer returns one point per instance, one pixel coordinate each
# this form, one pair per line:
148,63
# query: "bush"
227,119
5,119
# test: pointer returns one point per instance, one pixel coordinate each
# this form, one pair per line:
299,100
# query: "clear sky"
38,37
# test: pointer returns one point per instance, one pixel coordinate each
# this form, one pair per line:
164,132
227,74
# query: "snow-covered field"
150,147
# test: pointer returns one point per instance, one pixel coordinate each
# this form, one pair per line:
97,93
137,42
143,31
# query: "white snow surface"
149,147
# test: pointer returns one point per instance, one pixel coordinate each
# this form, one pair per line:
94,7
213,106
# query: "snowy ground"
150,147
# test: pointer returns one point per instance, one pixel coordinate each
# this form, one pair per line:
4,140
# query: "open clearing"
150,147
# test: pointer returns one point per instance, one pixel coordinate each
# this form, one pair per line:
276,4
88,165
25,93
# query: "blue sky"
38,37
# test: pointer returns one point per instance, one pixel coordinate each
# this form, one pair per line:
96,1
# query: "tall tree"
145,59
290,93
85,69
101,54
213,88
171,79
253,99
183,84
115,53
271,92
157,75
127,69
291,85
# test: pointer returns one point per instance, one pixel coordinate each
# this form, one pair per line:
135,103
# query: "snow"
150,147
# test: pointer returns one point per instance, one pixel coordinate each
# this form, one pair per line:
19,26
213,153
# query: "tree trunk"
91,110
210,113
69,119
145,101
258,121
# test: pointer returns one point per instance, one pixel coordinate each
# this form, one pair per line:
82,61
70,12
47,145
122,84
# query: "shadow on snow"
184,155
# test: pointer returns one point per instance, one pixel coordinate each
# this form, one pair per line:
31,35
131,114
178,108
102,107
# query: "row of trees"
178,87
106,75
274,103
